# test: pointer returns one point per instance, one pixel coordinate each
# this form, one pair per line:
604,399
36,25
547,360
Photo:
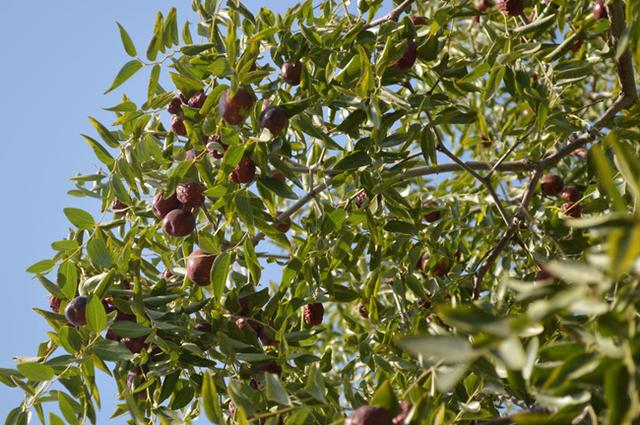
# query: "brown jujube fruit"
408,56
54,303
244,172
369,415
199,267
177,126
75,311
600,10
197,100
551,184
119,208
274,118
313,314
278,176
161,206
511,7
234,108
418,20
179,223
571,194
190,195
175,106
215,138
292,72
283,225
571,209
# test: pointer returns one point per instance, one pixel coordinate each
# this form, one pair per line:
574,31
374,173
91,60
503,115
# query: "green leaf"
41,267
112,351
125,73
129,329
79,218
616,393
352,161
210,400
36,371
277,187
96,315
385,397
68,279
101,153
127,43
104,133
99,253
219,273
157,40
275,391
251,260
315,385
447,349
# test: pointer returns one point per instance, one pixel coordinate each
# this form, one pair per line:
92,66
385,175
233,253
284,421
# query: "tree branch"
624,63
391,16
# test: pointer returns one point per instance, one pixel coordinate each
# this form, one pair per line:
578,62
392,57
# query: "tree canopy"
448,191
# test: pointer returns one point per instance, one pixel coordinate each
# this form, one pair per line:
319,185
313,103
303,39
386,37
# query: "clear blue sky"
59,59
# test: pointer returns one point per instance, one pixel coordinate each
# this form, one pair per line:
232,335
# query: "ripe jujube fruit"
244,172
441,268
313,314
234,108
571,209
167,274
278,175
112,336
54,303
600,10
511,7
269,367
369,415
283,225
119,208
76,311
434,214
360,198
179,223
551,184
362,309
543,275
177,126
215,138
418,20
161,206
408,56
190,195
291,72
274,118
135,345
483,5
197,100
571,194
199,267
175,106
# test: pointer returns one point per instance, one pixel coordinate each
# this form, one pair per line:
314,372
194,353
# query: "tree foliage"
449,194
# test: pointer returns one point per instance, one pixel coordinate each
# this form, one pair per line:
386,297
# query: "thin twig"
391,16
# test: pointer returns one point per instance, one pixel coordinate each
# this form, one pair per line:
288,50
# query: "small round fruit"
179,223
234,108
483,5
199,267
511,7
244,172
266,338
204,327
112,336
75,311
177,126
54,303
119,208
283,225
215,138
161,206
122,317
571,209
600,10
434,214
543,275
313,314
190,195
408,56
571,194
269,367
360,198
369,415
291,72
441,268
175,106
197,100
551,184
274,118
419,20
135,345
167,274
362,309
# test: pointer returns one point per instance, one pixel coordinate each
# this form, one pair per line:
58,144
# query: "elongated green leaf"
210,400
36,371
101,153
125,73
127,43
219,273
79,218
275,391
95,314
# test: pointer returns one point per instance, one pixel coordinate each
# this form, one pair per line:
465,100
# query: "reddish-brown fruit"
419,20
161,207
441,268
434,214
179,223
108,306
274,118
291,72
167,274
269,367
278,176
244,172
119,208
543,275
571,209
577,45
234,108
135,345
54,303
215,138
551,184
362,309
190,195
408,56
197,100
204,327
369,415
313,314
360,198
600,10
571,194
511,7
177,126
421,265
112,336
405,408
199,267
265,338
283,225
75,311
242,323
121,317
483,5
175,106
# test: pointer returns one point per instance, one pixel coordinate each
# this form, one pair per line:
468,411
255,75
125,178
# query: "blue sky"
59,59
